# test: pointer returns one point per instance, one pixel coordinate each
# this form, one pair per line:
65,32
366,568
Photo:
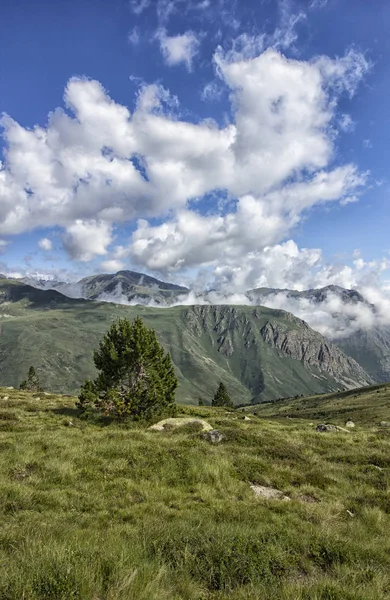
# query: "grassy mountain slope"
120,512
367,405
259,353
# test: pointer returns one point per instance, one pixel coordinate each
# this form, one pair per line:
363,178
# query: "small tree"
32,383
222,398
136,378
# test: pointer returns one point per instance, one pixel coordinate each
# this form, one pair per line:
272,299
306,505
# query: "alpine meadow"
194,300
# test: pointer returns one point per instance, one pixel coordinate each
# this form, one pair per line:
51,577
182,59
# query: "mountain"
317,295
259,353
122,287
370,347
129,286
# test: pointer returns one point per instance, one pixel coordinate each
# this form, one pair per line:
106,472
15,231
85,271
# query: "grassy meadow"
107,511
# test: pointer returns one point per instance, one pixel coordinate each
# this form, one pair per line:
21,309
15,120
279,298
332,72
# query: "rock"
327,427
350,513
214,436
174,422
9,387
5,398
385,423
268,493
323,427
245,418
350,424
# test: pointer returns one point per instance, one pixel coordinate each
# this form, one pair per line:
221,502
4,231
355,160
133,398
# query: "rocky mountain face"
259,353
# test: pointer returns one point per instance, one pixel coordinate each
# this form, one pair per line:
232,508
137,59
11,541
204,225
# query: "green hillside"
98,510
368,405
259,353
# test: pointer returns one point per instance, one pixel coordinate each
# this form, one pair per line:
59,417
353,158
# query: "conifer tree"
32,383
222,398
135,377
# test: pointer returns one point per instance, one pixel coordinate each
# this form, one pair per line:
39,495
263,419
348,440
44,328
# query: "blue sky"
261,128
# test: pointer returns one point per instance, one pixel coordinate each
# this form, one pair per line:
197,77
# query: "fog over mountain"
331,310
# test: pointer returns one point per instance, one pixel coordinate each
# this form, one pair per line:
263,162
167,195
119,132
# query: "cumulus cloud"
178,49
84,240
96,164
45,244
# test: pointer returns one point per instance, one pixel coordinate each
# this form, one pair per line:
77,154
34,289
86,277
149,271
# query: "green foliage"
136,378
222,398
32,383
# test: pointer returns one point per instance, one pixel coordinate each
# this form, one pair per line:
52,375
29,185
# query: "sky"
219,144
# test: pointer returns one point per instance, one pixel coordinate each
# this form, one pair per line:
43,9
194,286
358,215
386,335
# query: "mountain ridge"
208,344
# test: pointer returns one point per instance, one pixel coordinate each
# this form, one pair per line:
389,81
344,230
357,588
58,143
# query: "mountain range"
369,346
260,353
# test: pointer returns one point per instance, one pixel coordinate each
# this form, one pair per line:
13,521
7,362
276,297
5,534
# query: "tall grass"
116,512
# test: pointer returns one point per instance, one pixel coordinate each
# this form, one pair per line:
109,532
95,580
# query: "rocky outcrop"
305,344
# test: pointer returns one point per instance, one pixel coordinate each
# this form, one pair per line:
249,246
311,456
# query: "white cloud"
212,92
84,240
134,36
138,6
346,123
178,49
349,200
112,266
45,244
97,165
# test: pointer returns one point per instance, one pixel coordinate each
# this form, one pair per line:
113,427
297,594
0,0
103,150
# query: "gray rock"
214,436
174,422
350,424
268,493
327,427
385,423
324,427
5,398
245,418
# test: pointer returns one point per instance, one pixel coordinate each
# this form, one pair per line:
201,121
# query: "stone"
9,387
350,424
327,427
269,493
214,436
5,398
174,422
323,427
385,423
245,418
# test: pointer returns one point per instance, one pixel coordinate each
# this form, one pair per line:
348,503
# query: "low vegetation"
96,509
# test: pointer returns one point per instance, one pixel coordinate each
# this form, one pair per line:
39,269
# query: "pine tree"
32,383
135,377
222,398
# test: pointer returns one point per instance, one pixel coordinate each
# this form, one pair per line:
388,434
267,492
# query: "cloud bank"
96,166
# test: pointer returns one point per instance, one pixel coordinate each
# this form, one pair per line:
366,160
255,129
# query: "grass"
107,511
368,405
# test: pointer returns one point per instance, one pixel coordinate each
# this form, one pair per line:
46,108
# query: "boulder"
214,436
5,398
350,424
268,493
175,422
327,427
385,423
245,418
324,427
